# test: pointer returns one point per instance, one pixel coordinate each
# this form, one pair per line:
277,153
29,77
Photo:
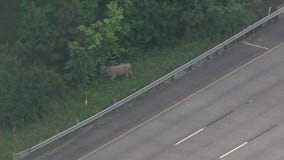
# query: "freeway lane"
240,116
139,111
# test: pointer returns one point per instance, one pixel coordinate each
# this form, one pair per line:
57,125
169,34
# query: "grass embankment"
145,69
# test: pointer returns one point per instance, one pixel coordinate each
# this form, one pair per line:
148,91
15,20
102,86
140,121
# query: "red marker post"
86,97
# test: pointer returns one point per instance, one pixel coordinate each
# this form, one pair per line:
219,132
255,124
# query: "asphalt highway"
230,107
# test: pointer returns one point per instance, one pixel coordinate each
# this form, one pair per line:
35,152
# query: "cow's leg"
130,73
112,77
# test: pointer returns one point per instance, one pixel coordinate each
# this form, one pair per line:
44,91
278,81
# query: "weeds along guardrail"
275,15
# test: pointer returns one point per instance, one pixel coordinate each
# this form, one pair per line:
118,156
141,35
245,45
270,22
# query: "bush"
25,93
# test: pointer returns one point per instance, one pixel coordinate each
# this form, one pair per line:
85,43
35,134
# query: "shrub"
25,94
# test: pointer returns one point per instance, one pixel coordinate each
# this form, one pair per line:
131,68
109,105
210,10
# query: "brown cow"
114,71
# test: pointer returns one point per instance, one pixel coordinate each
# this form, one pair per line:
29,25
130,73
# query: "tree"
99,38
229,19
158,24
47,28
26,92
201,18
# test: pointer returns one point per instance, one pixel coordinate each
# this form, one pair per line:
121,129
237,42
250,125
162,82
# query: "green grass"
149,67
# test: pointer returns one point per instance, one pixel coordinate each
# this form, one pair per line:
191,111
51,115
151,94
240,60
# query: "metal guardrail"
212,51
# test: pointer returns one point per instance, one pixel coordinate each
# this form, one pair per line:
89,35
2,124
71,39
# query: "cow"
114,71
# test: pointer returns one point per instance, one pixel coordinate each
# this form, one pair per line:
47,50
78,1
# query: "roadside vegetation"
59,47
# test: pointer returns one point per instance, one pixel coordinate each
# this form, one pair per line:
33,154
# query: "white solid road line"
233,150
193,134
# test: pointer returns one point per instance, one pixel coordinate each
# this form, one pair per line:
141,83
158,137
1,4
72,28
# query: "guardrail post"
15,156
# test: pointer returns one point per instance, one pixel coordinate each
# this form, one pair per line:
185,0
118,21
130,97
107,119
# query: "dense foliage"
65,42
25,92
